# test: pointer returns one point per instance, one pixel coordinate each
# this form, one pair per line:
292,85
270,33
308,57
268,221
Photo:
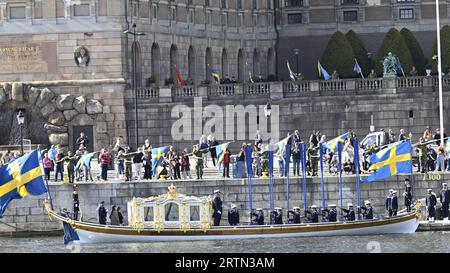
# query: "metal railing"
349,2
333,85
369,84
293,88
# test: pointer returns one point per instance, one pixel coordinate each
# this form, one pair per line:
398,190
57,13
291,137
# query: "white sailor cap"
259,209
296,208
349,205
233,206
429,190
394,192
314,207
444,184
332,205
216,191
391,190
278,208
367,202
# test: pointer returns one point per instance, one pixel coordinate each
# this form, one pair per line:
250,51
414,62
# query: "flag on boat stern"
20,178
395,159
69,233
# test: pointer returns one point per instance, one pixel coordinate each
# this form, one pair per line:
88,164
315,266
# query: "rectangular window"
255,4
239,4
293,3
189,2
81,10
17,13
406,14
405,1
269,4
155,12
224,4
350,16
295,18
349,2
207,3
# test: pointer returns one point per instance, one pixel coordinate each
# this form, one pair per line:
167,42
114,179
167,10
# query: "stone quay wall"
28,214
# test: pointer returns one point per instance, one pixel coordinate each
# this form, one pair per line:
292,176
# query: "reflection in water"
418,242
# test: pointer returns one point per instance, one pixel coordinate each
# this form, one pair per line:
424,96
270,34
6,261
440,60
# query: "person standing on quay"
102,213
430,202
114,216
408,195
104,161
389,202
445,200
120,215
217,207
76,203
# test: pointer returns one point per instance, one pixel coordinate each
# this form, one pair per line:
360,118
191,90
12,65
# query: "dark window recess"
406,13
295,18
294,3
239,4
350,16
349,2
411,113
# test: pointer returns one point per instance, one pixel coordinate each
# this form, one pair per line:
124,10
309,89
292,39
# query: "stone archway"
58,111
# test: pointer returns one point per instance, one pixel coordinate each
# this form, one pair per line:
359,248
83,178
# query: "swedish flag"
215,74
322,72
158,156
220,151
20,178
332,145
395,159
283,142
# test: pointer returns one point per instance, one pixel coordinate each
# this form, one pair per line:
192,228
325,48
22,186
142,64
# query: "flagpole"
303,153
340,172
358,181
412,175
321,174
439,65
287,156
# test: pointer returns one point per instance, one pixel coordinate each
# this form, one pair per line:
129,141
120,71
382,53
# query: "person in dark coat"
444,197
430,202
76,204
233,216
394,203
295,216
349,213
119,213
217,207
368,210
102,213
259,217
313,214
212,149
278,216
389,202
408,195
83,139
331,213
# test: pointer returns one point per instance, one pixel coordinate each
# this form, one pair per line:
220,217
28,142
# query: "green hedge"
359,50
445,51
339,56
393,42
419,59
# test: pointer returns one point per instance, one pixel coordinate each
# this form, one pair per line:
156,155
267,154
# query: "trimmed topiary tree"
359,50
445,51
339,56
415,49
393,42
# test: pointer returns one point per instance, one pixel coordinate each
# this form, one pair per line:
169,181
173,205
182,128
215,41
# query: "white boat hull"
404,227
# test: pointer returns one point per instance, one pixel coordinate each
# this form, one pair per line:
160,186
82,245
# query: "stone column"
3,16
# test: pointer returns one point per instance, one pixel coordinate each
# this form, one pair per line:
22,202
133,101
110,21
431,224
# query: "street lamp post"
297,54
21,121
439,65
134,33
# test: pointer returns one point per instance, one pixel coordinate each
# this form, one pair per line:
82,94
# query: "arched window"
256,70
224,63
241,66
191,64
208,64
156,61
173,62
136,64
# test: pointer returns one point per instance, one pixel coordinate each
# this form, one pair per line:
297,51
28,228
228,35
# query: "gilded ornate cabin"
171,210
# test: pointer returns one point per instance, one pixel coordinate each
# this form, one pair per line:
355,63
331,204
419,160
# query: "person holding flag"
180,80
215,75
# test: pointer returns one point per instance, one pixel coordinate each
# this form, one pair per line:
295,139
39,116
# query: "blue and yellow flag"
332,145
395,159
158,155
220,151
322,72
215,74
283,142
85,160
20,178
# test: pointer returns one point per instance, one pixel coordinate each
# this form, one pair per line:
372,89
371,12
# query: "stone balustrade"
278,90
